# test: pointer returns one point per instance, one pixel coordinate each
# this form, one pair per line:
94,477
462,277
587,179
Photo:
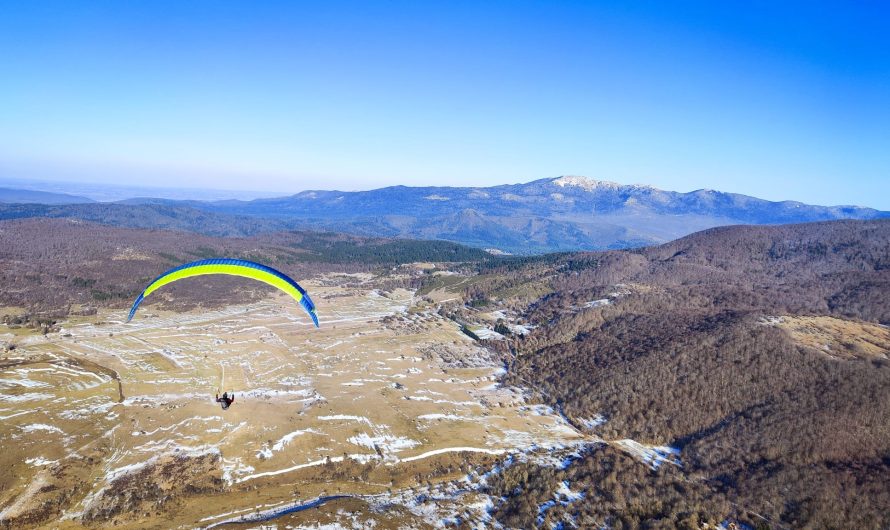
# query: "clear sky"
775,99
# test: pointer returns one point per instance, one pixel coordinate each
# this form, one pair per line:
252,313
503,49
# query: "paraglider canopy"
233,267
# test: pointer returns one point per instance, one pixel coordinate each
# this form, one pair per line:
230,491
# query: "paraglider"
225,400
234,267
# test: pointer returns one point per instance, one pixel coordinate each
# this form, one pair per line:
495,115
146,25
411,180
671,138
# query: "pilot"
225,400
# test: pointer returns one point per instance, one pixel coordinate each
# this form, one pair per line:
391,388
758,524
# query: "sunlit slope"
836,337
357,406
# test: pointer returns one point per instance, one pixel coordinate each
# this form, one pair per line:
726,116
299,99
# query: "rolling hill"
15,195
761,355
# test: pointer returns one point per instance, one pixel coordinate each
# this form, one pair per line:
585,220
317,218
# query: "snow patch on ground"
453,450
592,422
486,334
186,421
538,410
267,393
287,438
345,417
86,412
362,458
161,399
384,442
39,461
235,468
32,396
563,496
497,315
440,416
520,329
289,469
15,414
34,427
25,383
565,492
651,455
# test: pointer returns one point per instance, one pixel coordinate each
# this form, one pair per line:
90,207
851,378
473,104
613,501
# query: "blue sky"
787,101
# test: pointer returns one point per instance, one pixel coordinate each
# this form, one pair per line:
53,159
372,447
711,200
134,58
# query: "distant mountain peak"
550,214
589,184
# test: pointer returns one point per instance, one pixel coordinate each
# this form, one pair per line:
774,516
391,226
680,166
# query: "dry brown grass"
839,338
365,393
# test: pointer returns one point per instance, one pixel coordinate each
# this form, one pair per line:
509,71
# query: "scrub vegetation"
697,344
56,266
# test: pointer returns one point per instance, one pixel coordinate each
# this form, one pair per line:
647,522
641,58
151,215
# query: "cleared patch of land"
113,423
837,337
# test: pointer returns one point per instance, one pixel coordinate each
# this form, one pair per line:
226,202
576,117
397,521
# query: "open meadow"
107,422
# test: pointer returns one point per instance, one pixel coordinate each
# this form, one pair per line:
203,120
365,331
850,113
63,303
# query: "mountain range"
555,214
546,215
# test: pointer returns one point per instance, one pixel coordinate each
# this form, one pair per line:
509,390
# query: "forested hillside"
151,216
684,345
53,266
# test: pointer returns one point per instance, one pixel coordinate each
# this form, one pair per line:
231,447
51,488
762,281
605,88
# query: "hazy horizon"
109,192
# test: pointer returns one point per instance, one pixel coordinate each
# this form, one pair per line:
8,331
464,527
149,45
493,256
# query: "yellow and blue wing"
232,267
